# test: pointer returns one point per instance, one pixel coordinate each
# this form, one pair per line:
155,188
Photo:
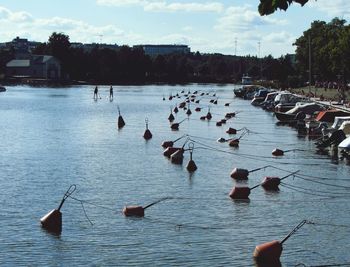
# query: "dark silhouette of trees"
267,7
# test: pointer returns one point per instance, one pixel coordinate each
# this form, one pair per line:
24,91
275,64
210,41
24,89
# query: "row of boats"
330,125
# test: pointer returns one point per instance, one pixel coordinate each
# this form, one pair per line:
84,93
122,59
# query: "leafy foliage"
267,7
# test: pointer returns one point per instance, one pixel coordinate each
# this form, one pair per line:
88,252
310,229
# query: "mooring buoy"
218,123
121,122
139,211
271,252
242,174
197,109
171,117
271,183
231,131
209,116
234,143
147,134
170,150
166,144
52,221
176,110
191,165
277,152
177,157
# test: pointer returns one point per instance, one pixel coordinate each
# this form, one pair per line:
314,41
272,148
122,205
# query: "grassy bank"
326,94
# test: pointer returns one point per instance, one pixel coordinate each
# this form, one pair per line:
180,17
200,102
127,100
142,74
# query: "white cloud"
6,14
244,18
163,6
332,8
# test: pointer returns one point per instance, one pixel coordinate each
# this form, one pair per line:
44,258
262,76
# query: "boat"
345,144
285,101
247,80
260,96
245,91
329,115
300,108
2,89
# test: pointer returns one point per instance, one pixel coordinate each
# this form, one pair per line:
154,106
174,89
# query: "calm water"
52,138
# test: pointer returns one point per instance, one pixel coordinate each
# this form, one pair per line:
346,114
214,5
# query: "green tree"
267,7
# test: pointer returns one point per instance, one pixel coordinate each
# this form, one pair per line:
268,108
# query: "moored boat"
2,89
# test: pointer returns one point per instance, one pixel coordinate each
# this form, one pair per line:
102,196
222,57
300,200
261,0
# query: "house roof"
18,63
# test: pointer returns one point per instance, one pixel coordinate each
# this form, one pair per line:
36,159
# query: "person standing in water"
111,93
95,93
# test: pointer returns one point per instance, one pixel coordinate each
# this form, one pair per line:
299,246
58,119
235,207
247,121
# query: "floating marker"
203,118
227,104
171,117
166,144
277,152
52,221
147,135
230,115
234,143
197,101
270,252
121,122
223,121
176,110
221,140
215,102
241,192
231,131
177,157
191,165
271,183
182,104
175,126
139,211
242,174
209,116
170,150
197,109
170,97
218,123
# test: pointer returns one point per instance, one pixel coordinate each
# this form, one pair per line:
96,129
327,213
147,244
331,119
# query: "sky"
230,27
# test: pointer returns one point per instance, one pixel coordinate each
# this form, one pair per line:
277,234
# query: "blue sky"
206,26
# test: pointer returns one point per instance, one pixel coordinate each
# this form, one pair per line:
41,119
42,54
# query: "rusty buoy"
182,104
209,116
203,118
241,192
176,110
166,144
270,252
227,104
239,174
218,123
231,131
191,165
223,121
177,157
277,152
197,109
188,112
121,122
197,101
52,221
175,126
171,117
234,143
170,150
230,115
147,134
139,211
271,183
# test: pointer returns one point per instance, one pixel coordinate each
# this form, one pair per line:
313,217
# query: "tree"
267,7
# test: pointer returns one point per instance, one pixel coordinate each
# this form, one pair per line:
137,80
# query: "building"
22,47
155,50
37,66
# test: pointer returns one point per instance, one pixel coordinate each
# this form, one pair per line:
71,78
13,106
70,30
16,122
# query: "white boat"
247,80
345,144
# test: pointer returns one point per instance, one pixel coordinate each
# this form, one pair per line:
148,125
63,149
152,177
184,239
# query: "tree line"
329,44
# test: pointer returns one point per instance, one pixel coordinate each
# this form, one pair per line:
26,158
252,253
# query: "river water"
54,137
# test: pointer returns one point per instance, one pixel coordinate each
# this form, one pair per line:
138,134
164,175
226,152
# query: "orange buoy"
203,118
137,211
234,143
218,123
170,150
269,252
177,157
171,117
182,104
121,122
191,165
239,174
188,112
277,152
242,192
176,110
271,183
167,144
197,109
209,116
231,131
147,135
175,126
52,221
223,121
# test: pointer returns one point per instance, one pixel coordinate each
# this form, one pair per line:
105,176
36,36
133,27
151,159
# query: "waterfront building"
155,50
36,66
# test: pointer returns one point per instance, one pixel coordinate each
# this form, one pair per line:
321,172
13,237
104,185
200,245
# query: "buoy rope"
311,191
259,158
156,202
68,193
296,229
293,173
92,204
